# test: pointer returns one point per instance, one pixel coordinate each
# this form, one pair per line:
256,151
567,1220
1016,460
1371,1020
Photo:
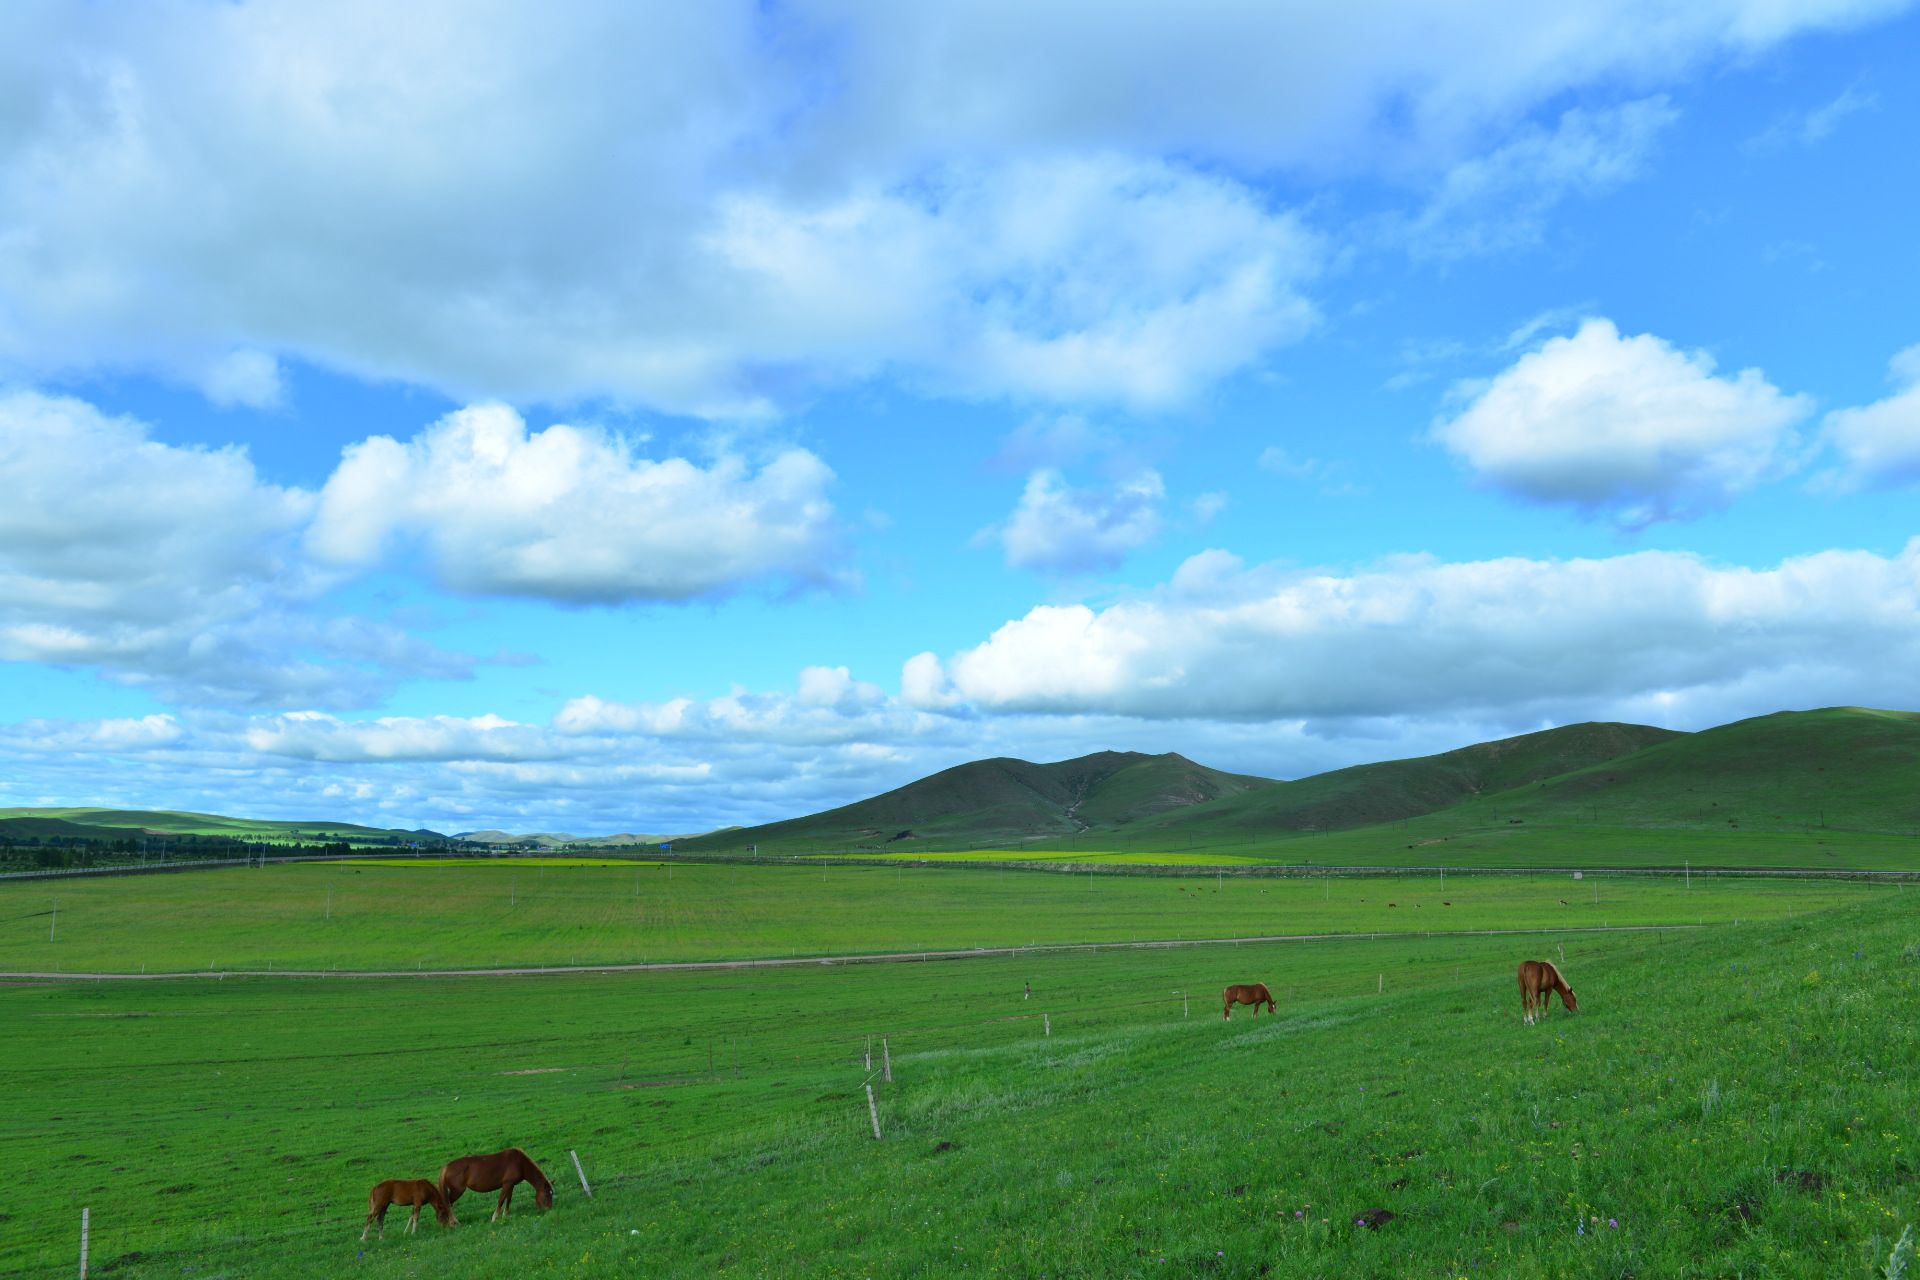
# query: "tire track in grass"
795,962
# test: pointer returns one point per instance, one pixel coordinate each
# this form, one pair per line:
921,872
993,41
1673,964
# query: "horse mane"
534,1173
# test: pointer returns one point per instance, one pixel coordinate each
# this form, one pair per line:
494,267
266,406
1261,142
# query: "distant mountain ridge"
1394,790
1005,799
1840,767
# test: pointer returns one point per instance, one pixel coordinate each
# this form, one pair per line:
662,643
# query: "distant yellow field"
1118,859
519,863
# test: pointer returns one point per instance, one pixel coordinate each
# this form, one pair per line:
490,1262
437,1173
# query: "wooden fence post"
873,1111
85,1216
1046,1020
886,1061
582,1172
869,1060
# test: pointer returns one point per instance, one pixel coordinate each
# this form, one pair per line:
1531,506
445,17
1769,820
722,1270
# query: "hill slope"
990,802
118,823
1394,790
1849,768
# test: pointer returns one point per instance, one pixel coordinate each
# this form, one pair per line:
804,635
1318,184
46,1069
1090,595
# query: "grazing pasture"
1729,1100
500,914
1471,838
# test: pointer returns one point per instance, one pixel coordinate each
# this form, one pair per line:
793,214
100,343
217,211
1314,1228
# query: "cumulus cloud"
574,514
1879,444
1418,638
196,180
1630,429
1074,279
174,568
830,707
1061,529
108,737
312,735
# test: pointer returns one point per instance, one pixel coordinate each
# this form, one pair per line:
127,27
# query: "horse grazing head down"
442,1209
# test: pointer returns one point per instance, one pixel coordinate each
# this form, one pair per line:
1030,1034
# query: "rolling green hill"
1844,768
1002,800
112,824
1394,790
1841,768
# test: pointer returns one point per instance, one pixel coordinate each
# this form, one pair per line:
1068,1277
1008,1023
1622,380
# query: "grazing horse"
406,1191
499,1171
1253,993
1538,981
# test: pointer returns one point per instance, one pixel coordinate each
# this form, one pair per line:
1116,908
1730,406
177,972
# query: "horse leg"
413,1220
506,1200
370,1217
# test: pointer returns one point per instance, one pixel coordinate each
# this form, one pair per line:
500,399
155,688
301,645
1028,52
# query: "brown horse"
1253,993
499,1171
406,1191
1538,981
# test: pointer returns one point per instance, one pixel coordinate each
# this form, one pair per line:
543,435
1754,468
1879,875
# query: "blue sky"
670,416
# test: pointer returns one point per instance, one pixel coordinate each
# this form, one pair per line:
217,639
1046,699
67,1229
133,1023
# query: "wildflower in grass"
1613,1222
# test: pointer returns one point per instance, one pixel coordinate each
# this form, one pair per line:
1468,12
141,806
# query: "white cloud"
1096,278
249,378
108,737
1207,507
830,708
1809,128
1416,639
311,735
1500,200
574,514
176,569
1879,444
486,200
1061,529
1629,428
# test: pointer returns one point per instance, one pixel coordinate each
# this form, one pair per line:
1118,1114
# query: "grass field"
382,916
1445,840
510,864
1730,1101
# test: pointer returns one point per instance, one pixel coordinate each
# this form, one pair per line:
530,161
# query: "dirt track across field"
793,962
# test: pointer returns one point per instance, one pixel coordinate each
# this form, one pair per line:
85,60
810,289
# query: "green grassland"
318,915
497,864
1735,1100
1452,839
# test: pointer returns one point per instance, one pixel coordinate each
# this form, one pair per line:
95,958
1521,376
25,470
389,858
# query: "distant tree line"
31,853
